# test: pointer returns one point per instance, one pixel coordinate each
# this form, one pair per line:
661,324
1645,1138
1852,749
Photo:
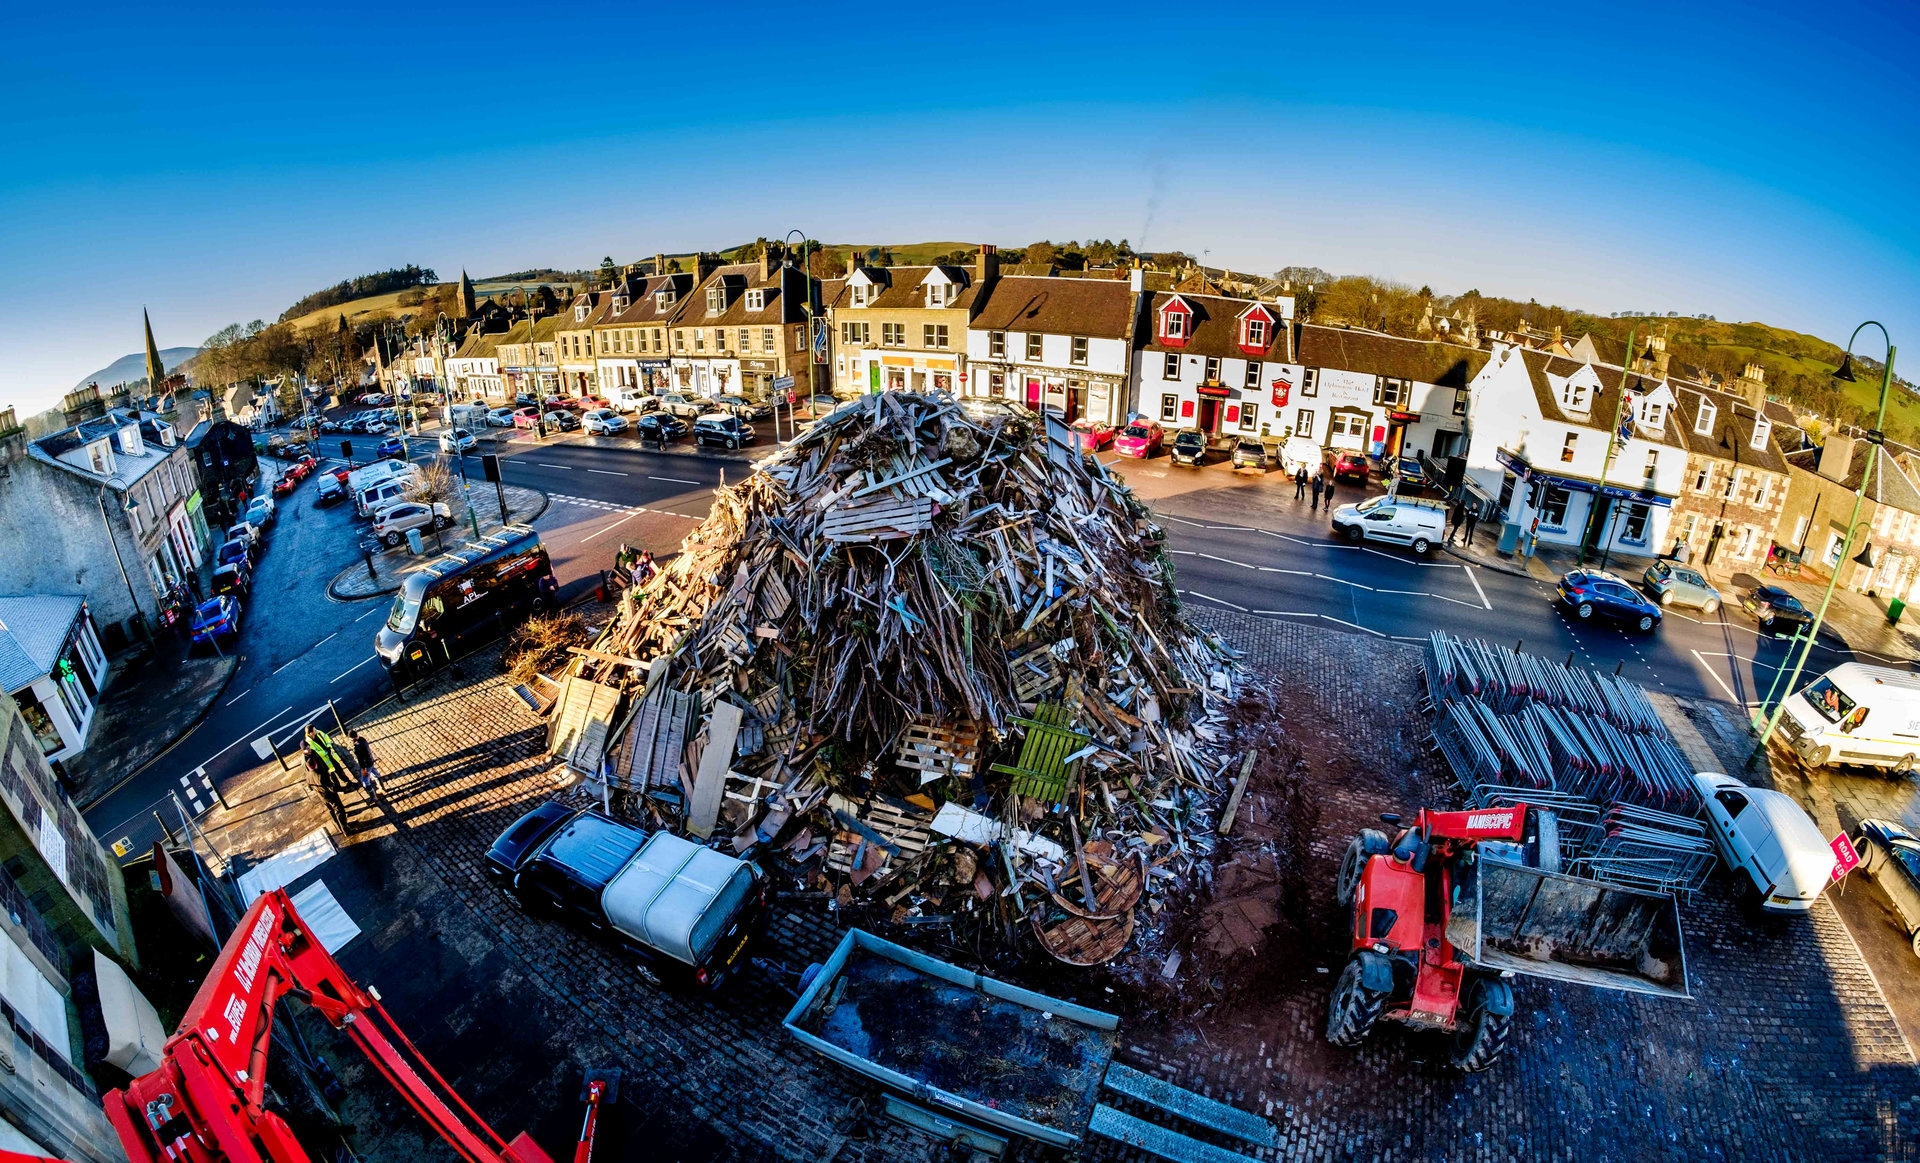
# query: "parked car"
526,418
1140,438
1856,714
500,418
216,618
1410,521
1591,593
260,511
1678,585
683,404
1413,475
742,407
591,403
1773,849
376,497
722,429
686,912
457,440
373,398
604,421
1890,857
634,398
1298,452
1778,612
1189,447
1248,452
1351,466
392,448
660,426
1094,434
561,403
244,530
286,484
235,577
561,420
330,489
467,596
236,549
305,467
391,523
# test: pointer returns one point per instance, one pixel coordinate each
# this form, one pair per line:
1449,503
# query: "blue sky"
213,163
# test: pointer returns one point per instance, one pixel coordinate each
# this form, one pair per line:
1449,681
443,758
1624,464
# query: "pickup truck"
686,913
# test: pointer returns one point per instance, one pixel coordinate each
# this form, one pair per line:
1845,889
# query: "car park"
561,420
660,426
1248,452
1890,857
1778,859
685,912
457,440
392,448
682,404
234,577
1410,521
1867,716
1189,447
604,421
1778,612
1094,434
1349,466
526,418
1592,593
1140,438
216,618
500,418
391,523
722,430
1678,585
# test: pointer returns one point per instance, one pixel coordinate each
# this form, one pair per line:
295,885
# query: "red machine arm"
1478,824
205,1102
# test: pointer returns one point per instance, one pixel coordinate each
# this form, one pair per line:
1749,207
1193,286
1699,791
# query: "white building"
52,665
473,372
1593,454
1361,391
1058,343
1217,364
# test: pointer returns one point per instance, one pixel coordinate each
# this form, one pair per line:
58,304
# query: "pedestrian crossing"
593,503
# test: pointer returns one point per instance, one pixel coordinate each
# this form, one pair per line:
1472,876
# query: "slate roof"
900,289
1731,435
1445,365
1216,328
1890,485
736,280
1539,365
128,469
1093,307
33,627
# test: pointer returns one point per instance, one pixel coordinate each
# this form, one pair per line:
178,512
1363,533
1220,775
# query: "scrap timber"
911,590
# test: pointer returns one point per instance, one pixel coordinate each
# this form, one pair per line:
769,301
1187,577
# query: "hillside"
128,368
370,309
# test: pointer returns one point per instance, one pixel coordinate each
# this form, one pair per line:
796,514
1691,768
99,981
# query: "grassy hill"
367,310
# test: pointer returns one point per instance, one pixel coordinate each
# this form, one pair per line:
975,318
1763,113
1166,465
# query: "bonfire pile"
911,589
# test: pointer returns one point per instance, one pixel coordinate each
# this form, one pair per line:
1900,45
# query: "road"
1238,542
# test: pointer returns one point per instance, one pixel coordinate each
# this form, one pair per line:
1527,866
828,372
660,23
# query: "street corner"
382,568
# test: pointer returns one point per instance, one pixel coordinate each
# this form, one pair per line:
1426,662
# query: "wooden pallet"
881,519
657,740
577,734
1043,769
938,752
899,831
1035,674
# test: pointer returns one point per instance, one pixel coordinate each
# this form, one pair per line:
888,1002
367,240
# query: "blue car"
394,447
1592,593
216,618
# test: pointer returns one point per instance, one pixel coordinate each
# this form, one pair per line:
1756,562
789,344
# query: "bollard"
276,752
368,555
1518,643
336,719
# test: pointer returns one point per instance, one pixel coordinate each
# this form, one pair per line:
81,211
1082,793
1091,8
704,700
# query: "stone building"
905,328
1813,522
742,327
1727,512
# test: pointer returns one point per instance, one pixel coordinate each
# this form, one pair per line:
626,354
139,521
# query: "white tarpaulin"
324,917
288,865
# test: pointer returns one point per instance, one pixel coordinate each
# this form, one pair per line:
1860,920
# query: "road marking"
1286,613
1355,625
1344,582
325,640
1715,675
356,666
676,480
286,664
544,464
610,528
1294,572
370,613
1476,587
1222,601
243,694
607,472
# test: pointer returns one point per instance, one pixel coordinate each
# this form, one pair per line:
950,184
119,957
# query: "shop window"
1634,529
1553,507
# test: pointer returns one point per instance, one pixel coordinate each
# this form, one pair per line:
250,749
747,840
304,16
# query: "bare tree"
434,482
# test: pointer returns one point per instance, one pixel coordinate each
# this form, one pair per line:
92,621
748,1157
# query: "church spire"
156,370
467,304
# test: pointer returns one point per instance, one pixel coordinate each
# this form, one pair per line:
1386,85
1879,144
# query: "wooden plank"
710,781
1239,789
603,656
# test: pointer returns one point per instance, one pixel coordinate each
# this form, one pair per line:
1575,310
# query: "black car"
234,577
1778,612
1890,857
722,431
1189,446
561,420
659,426
1592,593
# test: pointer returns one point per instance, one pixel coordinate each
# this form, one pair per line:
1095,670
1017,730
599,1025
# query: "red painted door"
1033,393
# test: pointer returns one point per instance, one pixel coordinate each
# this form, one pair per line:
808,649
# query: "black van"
463,598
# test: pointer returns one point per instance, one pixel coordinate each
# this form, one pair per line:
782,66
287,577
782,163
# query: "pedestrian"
1456,518
645,568
363,757
1318,485
193,583
1329,492
1300,483
1473,519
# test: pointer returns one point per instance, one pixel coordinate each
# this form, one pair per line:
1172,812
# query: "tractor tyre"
1353,1008
1482,1034
1370,842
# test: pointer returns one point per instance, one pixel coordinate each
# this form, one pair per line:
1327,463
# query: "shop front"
1576,512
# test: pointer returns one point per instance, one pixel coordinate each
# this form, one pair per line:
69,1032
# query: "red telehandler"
1442,916
206,1102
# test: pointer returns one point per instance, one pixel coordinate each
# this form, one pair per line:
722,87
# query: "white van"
1769,842
1855,713
1298,452
468,415
1419,522
634,398
373,498
384,469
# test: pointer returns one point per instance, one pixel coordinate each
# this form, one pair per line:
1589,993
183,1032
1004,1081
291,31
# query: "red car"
526,418
1140,438
1094,435
589,403
1352,466
285,485
567,402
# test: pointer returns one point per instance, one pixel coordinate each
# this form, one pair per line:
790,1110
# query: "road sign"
1845,859
783,383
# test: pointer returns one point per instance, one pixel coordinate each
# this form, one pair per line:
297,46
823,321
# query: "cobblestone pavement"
1787,1051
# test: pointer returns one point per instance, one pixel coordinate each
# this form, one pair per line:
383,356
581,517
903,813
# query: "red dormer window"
1256,330
1176,323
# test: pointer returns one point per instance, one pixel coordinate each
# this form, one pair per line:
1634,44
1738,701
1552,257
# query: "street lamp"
128,506
1875,439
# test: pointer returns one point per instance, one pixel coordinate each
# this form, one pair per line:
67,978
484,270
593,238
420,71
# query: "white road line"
356,666
1404,638
1748,661
286,664
683,481
1286,613
1222,601
1284,537
1227,561
1163,516
1294,572
243,694
1476,586
610,528
370,613
1355,625
607,472
1344,582
544,464
1716,677
253,734
325,640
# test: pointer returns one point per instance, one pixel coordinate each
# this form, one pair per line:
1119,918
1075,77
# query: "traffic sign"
783,383
1845,859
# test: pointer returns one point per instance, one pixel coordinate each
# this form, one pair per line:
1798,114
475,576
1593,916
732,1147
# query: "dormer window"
1256,333
1573,396
130,442
716,300
101,456
756,300
1176,322
859,294
936,295
580,313
1762,431
1653,414
619,304
662,300
1703,423
1174,325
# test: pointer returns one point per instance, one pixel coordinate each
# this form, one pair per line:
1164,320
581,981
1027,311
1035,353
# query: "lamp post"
129,506
1875,438
806,346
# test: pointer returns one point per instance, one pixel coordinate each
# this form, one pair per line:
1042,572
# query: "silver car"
1678,585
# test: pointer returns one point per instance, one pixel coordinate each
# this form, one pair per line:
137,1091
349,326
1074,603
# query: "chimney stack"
659,264
703,265
1836,457
766,261
986,267
854,261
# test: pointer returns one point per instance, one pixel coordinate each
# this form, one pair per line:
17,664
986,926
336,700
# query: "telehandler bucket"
1510,917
